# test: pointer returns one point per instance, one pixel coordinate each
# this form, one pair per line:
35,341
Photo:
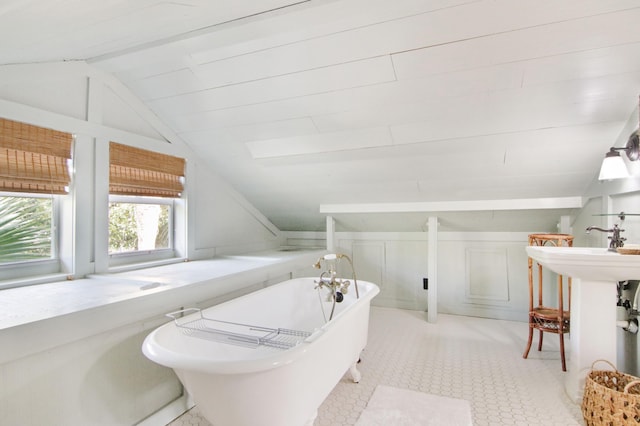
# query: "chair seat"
548,319
549,313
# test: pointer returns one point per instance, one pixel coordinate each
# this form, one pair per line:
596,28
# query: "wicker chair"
543,318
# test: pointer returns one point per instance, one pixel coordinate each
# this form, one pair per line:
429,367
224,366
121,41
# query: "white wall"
483,274
628,344
478,274
224,221
103,379
396,262
589,215
629,203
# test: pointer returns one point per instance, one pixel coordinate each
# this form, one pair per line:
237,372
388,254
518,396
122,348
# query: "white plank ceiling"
300,104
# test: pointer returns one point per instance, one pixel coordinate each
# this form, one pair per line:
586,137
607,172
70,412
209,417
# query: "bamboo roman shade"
135,171
33,159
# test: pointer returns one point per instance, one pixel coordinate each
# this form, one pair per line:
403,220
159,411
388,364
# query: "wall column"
565,225
331,234
432,268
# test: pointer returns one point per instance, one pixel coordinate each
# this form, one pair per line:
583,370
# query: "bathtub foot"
355,374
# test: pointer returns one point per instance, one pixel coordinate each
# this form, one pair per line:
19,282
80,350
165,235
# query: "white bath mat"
402,407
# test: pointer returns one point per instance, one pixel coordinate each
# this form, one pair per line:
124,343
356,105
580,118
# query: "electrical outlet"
425,283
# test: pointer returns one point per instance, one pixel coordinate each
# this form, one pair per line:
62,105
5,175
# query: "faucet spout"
591,228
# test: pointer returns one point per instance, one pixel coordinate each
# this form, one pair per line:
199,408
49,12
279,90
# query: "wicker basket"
611,398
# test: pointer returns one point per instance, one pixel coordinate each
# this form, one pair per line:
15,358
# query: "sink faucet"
616,239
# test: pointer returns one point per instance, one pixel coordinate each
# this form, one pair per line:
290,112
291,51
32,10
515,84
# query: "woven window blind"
33,159
135,171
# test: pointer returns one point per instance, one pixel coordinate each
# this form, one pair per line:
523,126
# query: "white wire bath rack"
234,333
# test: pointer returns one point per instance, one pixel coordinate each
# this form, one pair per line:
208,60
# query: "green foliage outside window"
138,227
25,228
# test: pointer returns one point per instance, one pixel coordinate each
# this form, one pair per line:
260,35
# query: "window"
142,186
26,228
34,174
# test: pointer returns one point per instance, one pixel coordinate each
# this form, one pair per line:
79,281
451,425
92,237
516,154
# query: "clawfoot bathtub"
251,382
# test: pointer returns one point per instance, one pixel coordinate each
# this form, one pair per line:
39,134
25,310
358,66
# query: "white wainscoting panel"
486,278
369,262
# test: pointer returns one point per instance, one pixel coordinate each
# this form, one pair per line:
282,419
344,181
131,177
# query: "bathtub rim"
178,360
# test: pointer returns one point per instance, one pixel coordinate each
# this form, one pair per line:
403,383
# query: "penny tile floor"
479,360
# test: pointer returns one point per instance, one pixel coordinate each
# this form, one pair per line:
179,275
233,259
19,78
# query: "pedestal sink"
595,272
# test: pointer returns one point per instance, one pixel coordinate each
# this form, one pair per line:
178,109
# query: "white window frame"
26,272
144,256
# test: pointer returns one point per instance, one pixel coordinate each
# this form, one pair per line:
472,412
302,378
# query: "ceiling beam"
450,206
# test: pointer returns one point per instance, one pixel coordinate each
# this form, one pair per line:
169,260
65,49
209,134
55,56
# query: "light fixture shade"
613,167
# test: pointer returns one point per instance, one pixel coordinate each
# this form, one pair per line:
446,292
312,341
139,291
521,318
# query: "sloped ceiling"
312,103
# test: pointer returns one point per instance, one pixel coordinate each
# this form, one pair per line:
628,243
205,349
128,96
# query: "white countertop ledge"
101,302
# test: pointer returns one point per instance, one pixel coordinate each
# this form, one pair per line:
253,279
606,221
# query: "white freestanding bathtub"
260,385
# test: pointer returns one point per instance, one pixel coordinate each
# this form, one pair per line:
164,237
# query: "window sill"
28,281
30,272
145,265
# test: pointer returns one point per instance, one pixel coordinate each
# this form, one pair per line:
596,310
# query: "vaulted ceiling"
305,104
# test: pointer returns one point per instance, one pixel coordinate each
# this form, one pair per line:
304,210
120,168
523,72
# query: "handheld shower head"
330,256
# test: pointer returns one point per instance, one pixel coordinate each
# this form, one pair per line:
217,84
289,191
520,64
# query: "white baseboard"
169,412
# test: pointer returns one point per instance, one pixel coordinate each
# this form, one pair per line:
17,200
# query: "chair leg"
540,342
564,364
526,351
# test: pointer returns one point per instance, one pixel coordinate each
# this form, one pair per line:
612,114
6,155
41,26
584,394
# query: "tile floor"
476,359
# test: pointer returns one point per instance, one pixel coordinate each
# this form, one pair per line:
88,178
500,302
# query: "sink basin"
593,264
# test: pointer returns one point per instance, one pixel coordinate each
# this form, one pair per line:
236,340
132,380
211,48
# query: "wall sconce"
613,166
